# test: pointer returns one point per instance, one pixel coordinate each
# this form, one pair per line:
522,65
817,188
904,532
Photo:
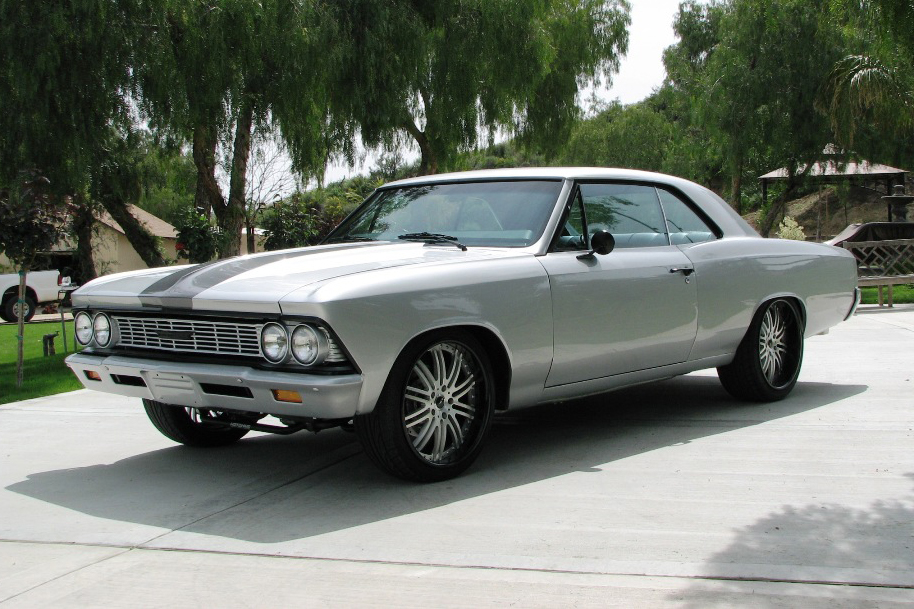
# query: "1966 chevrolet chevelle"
443,299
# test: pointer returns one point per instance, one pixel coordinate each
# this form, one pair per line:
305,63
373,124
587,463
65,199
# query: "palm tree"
875,86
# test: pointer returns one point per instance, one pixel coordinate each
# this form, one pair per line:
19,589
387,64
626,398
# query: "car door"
632,309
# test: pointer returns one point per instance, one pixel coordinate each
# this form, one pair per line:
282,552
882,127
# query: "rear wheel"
186,425
435,411
767,362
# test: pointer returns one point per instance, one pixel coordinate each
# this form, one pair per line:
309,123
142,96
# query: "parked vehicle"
444,299
40,288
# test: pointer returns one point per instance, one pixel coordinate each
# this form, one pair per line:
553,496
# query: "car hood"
256,283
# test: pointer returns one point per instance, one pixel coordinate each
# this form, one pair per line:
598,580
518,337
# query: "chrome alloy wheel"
776,344
440,402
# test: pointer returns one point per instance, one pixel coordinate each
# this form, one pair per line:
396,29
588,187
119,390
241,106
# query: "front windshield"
501,214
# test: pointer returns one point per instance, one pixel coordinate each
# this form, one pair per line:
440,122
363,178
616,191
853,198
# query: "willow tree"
444,74
64,72
760,84
217,71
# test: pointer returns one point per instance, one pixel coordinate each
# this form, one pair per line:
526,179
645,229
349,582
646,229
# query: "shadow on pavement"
307,485
819,543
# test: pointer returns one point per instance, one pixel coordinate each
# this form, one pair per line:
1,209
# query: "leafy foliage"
634,136
198,240
466,65
290,223
790,229
32,221
306,218
873,85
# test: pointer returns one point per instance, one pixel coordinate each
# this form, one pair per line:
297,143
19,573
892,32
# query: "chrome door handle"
685,270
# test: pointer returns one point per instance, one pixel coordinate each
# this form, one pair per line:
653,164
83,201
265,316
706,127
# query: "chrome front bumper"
220,387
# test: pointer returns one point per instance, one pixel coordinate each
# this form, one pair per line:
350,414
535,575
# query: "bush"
197,238
789,229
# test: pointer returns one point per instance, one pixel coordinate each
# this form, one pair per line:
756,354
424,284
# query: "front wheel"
186,426
767,362
11,308
435,411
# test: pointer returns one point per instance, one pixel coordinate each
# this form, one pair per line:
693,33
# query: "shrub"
789,229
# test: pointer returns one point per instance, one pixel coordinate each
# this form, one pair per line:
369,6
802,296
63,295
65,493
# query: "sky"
640,72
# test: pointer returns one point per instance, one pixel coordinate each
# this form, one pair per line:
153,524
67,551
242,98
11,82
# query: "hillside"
825,213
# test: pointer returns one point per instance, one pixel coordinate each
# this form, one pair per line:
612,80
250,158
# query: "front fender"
377,314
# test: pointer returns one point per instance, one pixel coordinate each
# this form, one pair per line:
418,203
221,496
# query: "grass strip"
902,294
41,375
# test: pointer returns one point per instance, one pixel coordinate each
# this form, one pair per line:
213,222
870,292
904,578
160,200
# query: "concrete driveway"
666,495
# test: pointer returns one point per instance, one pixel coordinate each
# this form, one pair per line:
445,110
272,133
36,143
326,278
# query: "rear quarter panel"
737,275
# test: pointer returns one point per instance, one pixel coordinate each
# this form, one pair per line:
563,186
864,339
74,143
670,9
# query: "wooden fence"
883,263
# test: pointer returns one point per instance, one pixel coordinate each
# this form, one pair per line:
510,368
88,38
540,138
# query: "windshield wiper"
432,238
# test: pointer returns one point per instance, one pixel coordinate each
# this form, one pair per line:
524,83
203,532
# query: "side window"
571,237
631,212
685,226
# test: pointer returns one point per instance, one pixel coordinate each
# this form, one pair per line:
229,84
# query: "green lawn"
902,294
41,375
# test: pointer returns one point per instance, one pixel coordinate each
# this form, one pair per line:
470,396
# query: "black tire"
435,411
11,308
768,360
178,423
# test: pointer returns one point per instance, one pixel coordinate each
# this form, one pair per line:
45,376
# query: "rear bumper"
853,309
218,386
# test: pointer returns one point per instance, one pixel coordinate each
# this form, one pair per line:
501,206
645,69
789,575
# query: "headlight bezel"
96,332
321,344
91,327
286,347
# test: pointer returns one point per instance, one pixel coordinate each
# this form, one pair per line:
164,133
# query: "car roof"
540,173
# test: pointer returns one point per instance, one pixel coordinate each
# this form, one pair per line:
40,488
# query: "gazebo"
834,170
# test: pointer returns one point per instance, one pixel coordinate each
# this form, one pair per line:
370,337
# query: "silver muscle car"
444,299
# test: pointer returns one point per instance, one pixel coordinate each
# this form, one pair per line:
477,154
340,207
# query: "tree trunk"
20,325
208,195
233,218
777,208
144,242
428,164
252,242
83,221
737,191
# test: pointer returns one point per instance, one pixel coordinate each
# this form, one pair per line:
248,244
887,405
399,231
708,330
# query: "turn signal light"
284,395
92,375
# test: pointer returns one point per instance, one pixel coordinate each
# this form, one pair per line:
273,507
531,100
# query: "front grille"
189,335
199,336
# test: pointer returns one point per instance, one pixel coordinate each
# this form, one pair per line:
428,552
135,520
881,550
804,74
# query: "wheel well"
12,292
795,300
498,357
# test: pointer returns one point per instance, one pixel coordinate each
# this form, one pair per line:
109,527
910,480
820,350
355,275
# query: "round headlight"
308,345
102,329
274,342
82,323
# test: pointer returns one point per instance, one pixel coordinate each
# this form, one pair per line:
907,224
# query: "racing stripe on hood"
179,288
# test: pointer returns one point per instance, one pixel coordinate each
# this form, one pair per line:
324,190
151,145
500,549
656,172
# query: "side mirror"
601,242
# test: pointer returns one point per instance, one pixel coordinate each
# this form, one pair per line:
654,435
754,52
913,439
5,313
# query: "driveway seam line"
402,563
124,550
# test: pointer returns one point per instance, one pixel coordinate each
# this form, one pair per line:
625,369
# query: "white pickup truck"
40,287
